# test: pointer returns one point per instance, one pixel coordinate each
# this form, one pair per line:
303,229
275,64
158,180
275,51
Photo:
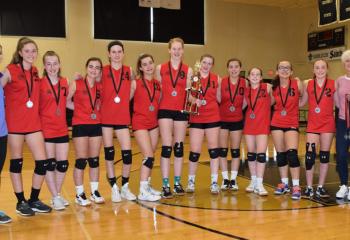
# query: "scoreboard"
326,39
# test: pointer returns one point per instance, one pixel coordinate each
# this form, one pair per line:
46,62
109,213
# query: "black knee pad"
223,152
109,153
51,164
166,151
127,157
251,156
62,166
179,149
16,165
41,167
324,156
148,162
80,163
194,157
281,159
292,157
235,153
310,156
214,152
94,162
261,157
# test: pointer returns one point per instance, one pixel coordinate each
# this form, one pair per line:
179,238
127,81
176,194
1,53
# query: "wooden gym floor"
229,215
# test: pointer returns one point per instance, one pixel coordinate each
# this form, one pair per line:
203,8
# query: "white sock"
259,181
149,179
253,178
234,175
191,178
143,185
285,180
224,174
79,189
94,186
295,182
214,178
319,186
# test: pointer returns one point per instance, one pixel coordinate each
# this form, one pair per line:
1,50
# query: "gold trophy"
347,110
193,92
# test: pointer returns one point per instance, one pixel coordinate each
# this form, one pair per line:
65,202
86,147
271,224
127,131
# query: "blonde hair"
345,56
177,39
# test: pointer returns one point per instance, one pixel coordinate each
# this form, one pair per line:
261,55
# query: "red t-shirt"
260,124
232,112
168,100
322,122
116,113
53,116
209,112
20,118
145,111
82,106
287,116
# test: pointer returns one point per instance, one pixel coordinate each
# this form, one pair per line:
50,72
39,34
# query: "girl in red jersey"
115,113
52,110
284,127
144,121
232,101
174,76
319,93
87,132
257,128
22,89
207,122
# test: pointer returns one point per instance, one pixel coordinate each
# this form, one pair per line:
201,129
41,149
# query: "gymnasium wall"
258,35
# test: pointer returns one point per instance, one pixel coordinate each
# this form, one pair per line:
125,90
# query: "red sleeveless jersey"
145,111
20,118
232,112
168,100
82,106
116,113
287,116
260,124
209,112
53,116
322,122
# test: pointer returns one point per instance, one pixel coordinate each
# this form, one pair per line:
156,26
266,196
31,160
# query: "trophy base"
189,112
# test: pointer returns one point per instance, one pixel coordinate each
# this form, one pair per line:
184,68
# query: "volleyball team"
33,110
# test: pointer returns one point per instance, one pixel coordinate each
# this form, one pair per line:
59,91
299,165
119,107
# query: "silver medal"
93,116
58,112
232,108
29,104
283,113
174,93
117,99
151,108
252,115
204,102
317,109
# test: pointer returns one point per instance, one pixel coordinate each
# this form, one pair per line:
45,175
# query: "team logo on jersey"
182,74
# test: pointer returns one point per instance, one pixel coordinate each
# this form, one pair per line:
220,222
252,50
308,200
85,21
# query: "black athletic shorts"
205,125
63,139
87,130
174,115
232,126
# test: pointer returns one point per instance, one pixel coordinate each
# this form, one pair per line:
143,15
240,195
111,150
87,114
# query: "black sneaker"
24,209
166,192
39,206
233,185
178,190
4,218
225,185
321,192
308,193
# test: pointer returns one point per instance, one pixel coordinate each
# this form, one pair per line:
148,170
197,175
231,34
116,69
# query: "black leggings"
3,150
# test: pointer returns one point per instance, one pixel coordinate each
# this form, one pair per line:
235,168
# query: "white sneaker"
147,195
63,200
82,200
343,191
154,191
126,193
97,198
190,187
115,195
251,186
260,190
214,188
57,204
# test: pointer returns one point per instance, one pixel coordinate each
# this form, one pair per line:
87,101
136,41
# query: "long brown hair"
17,58
138,64
51,54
